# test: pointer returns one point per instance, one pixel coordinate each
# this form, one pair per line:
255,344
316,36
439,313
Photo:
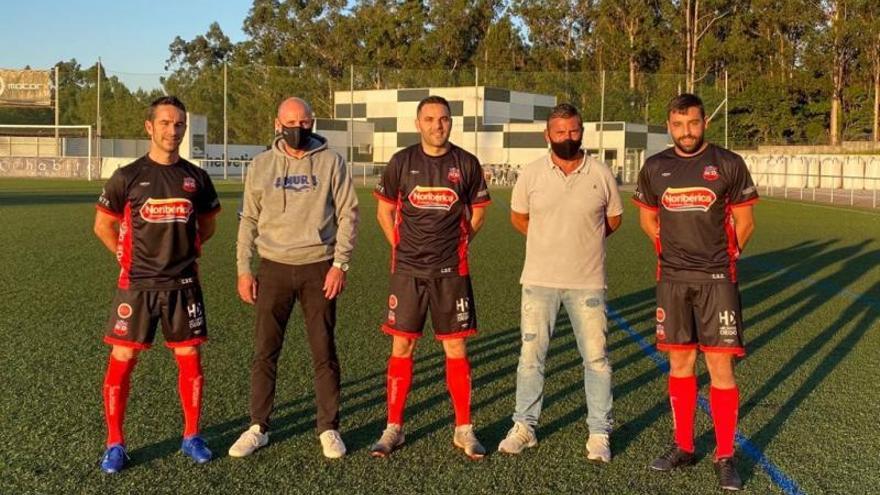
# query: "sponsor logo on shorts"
433,198
189,184
448,269
166,210
454,175
392,317
460,317
462,305
197,322
186,281
392,301
661,315
124,311
194,310
710,173
727,320
120,328
661,332
688,199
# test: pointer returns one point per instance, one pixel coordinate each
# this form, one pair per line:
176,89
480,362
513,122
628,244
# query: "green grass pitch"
810,282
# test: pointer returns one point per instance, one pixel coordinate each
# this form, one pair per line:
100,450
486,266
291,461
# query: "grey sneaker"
598,448
248,442
465,439
519,438
332,445
391,439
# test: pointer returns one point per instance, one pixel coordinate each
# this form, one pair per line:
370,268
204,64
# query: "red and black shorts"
450,300
707,316
136,313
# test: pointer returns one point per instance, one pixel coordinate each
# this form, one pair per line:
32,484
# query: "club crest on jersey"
454,175
189,184
710,173
688,199
433,198
166,210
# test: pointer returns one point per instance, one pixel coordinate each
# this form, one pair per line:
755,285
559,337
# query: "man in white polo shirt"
566,204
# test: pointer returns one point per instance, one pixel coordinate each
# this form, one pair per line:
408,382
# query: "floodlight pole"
225,124
602,119
476,110
726,103
56,106
98,121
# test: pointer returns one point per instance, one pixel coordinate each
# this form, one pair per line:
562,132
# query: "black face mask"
567,149
296,137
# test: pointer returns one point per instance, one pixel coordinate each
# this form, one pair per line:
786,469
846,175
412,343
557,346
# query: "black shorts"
707,316
450,300
136,313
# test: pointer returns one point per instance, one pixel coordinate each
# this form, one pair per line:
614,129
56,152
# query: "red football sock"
398,381
458,381
189,384
117,382
725,409
683,397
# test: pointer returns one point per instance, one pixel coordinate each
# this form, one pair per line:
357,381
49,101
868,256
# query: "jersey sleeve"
742,190
478,191
207,203
389,184
644,196
113,196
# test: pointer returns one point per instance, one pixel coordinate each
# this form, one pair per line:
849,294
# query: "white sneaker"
598,448
332,444
391,439
248,442
519,438
465,439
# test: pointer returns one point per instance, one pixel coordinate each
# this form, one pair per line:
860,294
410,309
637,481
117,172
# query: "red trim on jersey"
463,234
108,211
382,197
644,205
748,202
676,347
186,343
400,333
658,248
398,219
126,343
482,204
123,248
456,335
738,351
732,244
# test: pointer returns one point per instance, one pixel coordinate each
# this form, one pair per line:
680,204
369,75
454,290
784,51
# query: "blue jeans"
586,310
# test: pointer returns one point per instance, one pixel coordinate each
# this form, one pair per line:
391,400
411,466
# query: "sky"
130,36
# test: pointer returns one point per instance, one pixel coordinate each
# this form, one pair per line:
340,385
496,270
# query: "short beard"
697,145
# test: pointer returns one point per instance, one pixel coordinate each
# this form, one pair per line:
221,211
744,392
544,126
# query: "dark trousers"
280,286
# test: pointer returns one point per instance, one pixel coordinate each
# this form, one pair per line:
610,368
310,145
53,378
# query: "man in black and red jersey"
431,204
155,214
696,206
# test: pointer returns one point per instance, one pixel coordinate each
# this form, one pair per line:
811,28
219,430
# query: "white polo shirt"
565,245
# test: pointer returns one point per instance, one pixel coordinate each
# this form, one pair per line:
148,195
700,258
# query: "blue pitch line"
788,485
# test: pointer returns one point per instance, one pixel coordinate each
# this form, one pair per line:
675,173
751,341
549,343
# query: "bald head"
294,112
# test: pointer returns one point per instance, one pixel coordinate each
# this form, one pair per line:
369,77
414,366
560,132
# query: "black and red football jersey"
694,197
434,197
157,207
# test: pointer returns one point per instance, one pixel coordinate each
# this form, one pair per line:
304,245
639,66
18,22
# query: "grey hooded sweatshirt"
297,210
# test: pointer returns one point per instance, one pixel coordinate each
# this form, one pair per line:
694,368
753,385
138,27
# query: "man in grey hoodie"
300,211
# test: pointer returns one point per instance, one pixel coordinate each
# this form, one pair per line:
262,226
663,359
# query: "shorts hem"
737,351
456,335
186,343
400,333
676,347
126,343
